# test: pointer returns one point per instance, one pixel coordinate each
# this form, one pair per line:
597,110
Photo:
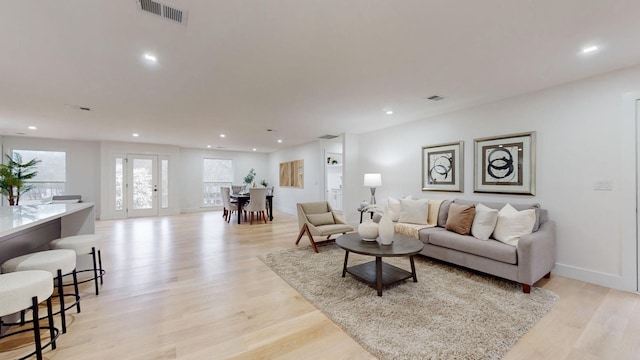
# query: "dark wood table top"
402,245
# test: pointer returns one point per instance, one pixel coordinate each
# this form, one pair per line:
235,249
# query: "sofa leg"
548,276
526,288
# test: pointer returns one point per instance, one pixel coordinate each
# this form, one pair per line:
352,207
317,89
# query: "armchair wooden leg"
305,229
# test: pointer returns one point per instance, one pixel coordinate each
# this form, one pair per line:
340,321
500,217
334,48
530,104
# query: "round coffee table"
376,273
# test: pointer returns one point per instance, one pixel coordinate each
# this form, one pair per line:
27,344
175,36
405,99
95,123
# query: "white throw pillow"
414,211
484,222
394,207
512,224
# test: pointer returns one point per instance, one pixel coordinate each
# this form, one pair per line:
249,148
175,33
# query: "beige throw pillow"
460,218
321,219
512,224
414,211
393,205
484,222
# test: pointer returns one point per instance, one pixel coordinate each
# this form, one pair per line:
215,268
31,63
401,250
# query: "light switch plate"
602,184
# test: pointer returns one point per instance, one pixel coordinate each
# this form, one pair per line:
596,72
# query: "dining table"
243,199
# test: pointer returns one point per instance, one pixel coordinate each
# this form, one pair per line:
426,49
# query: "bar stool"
58,263
84,245
24,290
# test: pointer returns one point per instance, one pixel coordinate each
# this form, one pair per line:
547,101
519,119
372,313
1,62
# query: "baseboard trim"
614,281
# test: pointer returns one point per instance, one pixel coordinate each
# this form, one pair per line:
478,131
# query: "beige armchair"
318,218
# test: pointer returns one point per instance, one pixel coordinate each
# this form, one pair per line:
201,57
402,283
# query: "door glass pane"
119,195
142,184
165,184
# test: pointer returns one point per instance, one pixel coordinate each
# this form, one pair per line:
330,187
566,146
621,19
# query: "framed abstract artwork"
442,167
505,164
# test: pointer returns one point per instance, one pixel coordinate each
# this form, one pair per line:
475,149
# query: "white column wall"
583,135
286,198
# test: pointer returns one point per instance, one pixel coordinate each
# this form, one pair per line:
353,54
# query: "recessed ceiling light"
589,49
151,58
388,112
136,134
279,140
33,127
223,135
254,149
209,146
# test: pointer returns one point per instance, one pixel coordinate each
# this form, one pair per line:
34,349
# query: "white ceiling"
304,68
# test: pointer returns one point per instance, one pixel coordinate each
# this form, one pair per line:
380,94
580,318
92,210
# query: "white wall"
191,173
285,198
584,134
83,163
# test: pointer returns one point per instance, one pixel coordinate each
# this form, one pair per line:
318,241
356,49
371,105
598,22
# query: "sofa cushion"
423,234
484,222
460,218
414,211
491,249
321,219
512,224
444,213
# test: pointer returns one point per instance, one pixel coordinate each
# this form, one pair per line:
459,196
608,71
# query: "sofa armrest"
537,253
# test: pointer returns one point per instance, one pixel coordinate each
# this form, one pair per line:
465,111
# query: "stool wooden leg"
63,318
95,270
75,287
100,263
52,332
36,327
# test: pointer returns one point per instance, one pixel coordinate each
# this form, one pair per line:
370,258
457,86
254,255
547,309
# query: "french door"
142,185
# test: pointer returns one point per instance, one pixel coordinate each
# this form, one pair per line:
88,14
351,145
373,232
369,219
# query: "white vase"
385,228
368,231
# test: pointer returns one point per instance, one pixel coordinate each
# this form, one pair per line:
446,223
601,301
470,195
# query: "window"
51,178
216,173
119,185
164,184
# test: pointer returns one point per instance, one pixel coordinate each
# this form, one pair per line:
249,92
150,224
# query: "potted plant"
264,183
13,175
249,178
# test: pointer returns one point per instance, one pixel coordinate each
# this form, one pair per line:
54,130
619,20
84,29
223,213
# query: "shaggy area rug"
450,313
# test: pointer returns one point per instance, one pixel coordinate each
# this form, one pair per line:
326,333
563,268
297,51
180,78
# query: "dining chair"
236,188
257,204
229,207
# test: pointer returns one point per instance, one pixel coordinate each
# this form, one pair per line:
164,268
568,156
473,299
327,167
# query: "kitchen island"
29,228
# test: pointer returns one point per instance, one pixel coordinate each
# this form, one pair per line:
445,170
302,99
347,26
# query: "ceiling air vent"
435,98
167,12
328,137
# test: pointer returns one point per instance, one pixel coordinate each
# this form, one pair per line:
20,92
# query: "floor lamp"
373,180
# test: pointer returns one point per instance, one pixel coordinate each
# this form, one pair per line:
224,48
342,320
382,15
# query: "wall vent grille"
328,137
164,11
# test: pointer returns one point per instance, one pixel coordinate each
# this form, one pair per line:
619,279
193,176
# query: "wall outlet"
602,184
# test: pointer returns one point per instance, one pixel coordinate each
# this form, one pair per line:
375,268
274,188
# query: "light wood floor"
192,287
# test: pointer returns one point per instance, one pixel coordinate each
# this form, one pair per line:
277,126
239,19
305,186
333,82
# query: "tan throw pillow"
321,219
460,218
414,211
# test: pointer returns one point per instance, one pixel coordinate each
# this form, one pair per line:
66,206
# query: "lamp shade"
372,180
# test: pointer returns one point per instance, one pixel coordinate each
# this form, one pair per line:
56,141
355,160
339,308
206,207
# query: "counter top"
16,218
